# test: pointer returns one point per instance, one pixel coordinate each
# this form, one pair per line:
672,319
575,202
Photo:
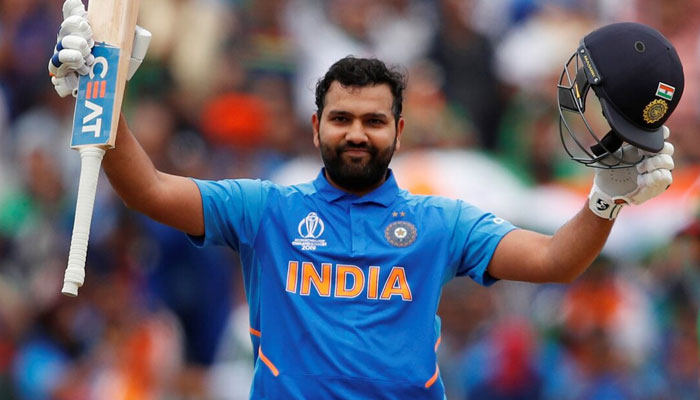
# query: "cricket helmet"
637,78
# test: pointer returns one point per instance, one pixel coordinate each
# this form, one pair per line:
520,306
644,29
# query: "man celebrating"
343,274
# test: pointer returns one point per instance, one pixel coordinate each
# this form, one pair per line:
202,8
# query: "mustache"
356,146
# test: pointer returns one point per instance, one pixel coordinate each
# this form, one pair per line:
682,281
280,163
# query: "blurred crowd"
226,91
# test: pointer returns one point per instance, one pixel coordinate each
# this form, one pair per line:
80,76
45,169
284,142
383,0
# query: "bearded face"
356,167
357,136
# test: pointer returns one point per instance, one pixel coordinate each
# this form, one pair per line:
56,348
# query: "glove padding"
73,52
614,188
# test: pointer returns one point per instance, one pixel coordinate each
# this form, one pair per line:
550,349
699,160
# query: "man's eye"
339,119
375,121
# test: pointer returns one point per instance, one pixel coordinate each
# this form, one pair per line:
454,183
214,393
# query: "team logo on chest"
400,233
310,229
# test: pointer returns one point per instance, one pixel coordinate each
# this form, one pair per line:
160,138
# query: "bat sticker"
94,106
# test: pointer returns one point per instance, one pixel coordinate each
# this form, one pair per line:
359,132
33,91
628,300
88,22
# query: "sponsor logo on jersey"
347,281
310,229
400,233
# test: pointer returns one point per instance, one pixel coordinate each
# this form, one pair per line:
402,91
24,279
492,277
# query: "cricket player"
343,274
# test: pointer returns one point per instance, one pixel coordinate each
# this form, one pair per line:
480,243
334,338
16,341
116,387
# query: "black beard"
356,176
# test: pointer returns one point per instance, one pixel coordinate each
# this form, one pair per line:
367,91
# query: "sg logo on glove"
96,91
601,205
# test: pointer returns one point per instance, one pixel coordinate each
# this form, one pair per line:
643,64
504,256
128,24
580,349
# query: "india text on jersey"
350,281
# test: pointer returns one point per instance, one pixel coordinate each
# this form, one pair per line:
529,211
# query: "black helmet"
636,75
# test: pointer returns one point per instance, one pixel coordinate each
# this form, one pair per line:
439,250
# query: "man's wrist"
602,204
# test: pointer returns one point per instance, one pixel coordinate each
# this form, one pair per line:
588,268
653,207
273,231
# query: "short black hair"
360,72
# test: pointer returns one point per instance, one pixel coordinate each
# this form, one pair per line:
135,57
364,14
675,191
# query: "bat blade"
96,116
100,93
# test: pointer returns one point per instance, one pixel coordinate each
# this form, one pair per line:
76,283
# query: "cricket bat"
96,117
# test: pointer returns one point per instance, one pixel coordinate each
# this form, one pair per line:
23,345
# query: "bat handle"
90,161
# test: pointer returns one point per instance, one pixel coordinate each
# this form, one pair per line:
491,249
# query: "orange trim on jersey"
433,378
267,362
88,90
103,88
254,332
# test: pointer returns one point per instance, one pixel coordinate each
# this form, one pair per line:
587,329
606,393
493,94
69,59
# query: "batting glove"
614,188
73,53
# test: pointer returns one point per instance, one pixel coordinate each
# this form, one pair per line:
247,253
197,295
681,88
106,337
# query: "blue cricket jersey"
343,290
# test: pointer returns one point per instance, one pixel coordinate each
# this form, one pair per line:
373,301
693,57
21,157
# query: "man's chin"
358,178
356,184
353,161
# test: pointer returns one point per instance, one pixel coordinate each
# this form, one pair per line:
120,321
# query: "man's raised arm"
528,256
170,199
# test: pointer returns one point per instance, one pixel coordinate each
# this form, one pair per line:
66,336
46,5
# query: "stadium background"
226,91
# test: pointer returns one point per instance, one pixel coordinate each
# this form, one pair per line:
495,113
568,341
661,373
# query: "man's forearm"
529,256
170,199
577,244
129,169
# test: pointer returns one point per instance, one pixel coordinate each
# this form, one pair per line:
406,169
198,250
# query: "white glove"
74,42
73,52
614,188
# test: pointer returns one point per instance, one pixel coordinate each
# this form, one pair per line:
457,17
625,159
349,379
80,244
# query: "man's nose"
356,133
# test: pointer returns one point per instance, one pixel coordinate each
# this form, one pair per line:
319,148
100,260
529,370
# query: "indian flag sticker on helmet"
665,91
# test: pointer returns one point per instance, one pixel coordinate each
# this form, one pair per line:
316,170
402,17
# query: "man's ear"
315,123
399,132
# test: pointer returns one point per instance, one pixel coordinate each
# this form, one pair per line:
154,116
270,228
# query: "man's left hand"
614,188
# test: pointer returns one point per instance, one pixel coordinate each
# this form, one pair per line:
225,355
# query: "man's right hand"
73,52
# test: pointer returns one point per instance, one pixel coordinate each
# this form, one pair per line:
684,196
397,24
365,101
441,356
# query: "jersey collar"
384,195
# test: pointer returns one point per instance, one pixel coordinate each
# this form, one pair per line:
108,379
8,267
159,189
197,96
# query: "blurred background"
226,91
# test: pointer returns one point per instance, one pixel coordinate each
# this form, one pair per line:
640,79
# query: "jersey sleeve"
233,209
475,239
